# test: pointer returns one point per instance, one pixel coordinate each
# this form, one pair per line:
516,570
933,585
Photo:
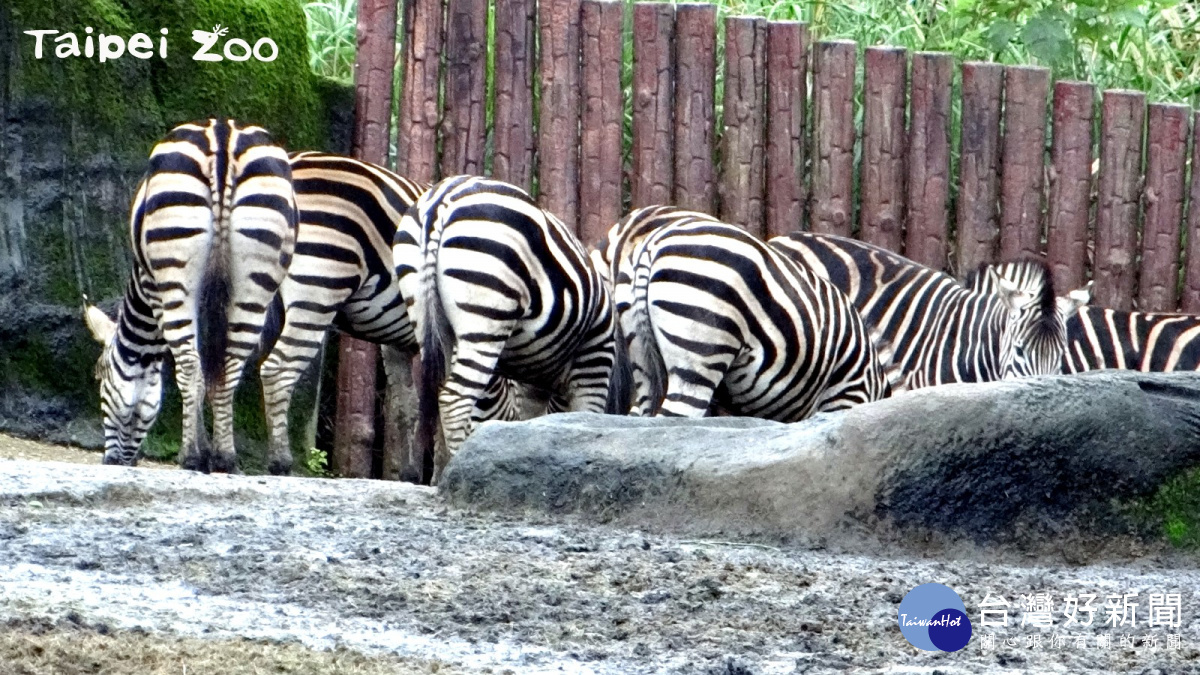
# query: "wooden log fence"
1119,207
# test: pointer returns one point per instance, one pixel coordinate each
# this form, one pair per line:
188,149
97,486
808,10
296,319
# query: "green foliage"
1151,45
316,463
331,38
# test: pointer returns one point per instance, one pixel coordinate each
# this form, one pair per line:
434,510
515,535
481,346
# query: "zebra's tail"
436,341
212,307
644,355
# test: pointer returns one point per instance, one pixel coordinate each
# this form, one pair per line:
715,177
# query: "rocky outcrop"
991,462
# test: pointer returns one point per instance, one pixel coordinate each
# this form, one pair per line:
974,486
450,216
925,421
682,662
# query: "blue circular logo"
932,617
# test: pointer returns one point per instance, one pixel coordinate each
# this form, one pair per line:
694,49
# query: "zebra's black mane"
1028,268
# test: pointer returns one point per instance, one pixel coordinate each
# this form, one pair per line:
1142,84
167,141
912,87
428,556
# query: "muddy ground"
115,570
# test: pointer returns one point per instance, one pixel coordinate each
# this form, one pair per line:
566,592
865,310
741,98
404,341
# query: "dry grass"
12,447
38,647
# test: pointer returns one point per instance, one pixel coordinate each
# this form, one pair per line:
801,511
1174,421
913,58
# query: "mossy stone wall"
74,136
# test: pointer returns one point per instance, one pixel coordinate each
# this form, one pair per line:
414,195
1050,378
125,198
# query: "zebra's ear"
1008,291
1077,298
99,325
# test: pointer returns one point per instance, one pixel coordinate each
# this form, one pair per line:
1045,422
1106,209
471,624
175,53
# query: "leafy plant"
331,37
316,463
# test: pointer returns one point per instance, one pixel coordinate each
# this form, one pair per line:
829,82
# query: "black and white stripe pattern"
130,368
930,328
1100,338
213,228
714,315
497,286
341,275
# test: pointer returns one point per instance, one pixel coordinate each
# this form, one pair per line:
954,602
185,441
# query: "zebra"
1099,338
498,286
932,329
341,275
213,228
711,314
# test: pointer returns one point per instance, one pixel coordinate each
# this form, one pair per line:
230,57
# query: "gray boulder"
992,462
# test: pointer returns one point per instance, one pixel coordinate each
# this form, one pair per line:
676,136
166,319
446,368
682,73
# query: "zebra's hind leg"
194,450
278,382
467,380
224,456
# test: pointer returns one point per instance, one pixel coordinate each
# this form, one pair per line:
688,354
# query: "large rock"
997,461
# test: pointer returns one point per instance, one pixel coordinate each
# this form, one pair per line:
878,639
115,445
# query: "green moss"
1173,512
138,100
36,363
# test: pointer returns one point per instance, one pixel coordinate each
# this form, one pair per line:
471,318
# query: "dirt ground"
113,570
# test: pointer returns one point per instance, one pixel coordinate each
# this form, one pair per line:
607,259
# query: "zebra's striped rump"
213,228
930,328
497,286
1099,338
712,314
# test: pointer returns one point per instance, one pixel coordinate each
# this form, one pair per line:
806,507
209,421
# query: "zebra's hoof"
223,464
194,463
280,467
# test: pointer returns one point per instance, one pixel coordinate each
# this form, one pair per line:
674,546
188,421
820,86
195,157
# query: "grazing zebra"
497,286
1099,338
213,228
931,328
712,314
341,275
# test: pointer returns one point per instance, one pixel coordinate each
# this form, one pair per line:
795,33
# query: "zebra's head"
130,389
1035,338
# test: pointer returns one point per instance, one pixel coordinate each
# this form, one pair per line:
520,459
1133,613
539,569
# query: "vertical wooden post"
979,165
354,434
1121,124
743,162
787,94
463,129
1191,283
558,118
1070,183
929,159
832,207
603,115
416,146
416,138
653,129
1023,159
512,159
881,215
1166,163
695,86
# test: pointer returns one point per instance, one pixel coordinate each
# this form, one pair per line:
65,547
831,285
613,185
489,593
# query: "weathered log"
1117,207
787,96
1023,158
881,214
1070,183
603,114
695,86
653,165
929,160
831,209
979,166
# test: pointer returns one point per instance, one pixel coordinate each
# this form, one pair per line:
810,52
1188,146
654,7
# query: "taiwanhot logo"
933,618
